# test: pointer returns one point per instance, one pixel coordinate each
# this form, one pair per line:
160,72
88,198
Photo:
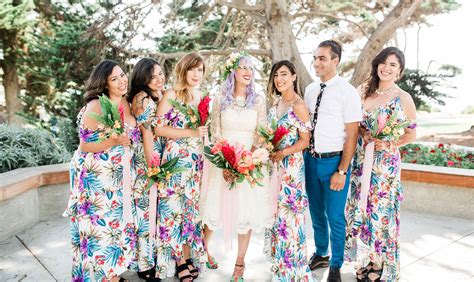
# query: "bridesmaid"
286,240
180,241
146,84
373,214
100,207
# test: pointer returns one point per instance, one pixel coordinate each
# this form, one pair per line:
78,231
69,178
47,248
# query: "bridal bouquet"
389,127
158,171
111,119
199,116
272,136
244,164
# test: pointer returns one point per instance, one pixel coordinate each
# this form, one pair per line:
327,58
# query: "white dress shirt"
340,104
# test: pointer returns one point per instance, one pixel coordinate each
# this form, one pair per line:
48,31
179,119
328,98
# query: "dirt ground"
465,138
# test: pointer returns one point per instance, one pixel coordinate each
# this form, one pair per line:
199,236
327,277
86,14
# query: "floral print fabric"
286,240
103,240
373,235
178,207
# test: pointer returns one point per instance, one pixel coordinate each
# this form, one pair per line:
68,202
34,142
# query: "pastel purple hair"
229,86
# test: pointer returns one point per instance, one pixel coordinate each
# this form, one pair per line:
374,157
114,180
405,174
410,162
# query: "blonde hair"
186,63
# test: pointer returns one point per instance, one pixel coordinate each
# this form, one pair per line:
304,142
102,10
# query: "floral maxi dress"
146,245
103,239
178,207
286,240
374,235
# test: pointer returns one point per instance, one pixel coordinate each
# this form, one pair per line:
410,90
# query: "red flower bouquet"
242,163
272,136
199,116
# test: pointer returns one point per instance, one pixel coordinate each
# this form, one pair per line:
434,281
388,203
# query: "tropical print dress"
178,207
285,244
374,235
141,193
103,237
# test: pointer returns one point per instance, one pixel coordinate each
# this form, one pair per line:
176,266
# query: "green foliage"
26,147
61,54
110,118
15,15
422,87
439,155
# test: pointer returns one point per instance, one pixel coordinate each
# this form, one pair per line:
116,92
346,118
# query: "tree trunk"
382,34
282,39
10,76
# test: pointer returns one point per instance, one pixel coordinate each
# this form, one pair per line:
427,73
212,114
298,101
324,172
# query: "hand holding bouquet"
111,120
388,128
272,136
239,164
157,171
198,116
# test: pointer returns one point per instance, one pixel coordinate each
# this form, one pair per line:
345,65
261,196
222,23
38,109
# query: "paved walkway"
433,249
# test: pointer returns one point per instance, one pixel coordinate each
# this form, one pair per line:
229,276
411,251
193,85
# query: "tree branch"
255,52
325,15
253,11
242,7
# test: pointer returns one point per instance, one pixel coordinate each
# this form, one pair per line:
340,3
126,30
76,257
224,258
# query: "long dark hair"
272,91
373,81
96,84
141,76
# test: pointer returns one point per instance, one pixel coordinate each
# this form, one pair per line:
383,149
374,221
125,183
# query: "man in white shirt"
336,113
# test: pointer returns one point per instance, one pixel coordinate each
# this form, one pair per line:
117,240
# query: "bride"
235,116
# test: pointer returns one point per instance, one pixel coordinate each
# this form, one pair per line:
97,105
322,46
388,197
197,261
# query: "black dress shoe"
318,262
334,274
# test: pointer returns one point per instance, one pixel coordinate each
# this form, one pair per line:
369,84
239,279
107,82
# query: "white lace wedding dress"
249,206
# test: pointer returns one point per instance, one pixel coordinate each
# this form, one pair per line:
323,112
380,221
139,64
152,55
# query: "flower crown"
232,63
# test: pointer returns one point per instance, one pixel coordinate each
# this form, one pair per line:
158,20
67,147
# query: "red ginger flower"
229,154
280,132
203,109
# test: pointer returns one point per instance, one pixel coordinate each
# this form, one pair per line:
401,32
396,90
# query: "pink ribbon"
229,204
366,175
127,187
205,175
275,182
152,212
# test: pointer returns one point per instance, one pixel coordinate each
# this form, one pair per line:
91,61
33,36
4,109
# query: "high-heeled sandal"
374,275
212,263
148,275
194,271
240,278
183,267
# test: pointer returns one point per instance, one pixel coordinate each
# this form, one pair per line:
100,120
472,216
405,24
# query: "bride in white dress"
235,116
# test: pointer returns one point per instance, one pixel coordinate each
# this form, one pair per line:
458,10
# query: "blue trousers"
326,207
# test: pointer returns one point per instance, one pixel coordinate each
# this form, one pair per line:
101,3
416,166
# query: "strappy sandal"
361,273
241,278
374,275
183,267
148,275
212,263
194,271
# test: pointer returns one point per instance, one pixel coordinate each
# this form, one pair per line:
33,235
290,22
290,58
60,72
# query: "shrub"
27,147
438,155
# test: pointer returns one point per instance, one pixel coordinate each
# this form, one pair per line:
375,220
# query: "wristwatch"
341,172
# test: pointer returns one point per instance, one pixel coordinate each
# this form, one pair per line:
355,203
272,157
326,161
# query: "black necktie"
315,118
